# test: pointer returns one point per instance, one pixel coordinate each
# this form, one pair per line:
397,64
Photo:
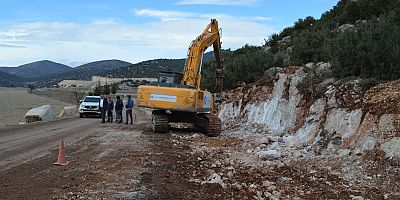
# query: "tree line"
104,90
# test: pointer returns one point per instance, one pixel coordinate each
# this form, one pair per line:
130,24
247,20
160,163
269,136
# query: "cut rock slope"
343,120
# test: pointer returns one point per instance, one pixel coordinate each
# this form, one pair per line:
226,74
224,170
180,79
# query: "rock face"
347,27
42,113
344,117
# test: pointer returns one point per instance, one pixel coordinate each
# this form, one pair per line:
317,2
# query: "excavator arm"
210,36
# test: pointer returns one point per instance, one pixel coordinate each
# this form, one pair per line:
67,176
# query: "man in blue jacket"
128,107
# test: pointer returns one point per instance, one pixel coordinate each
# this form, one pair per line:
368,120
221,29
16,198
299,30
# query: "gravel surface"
113,161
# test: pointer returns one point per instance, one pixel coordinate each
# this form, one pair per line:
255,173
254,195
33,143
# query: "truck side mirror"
80,101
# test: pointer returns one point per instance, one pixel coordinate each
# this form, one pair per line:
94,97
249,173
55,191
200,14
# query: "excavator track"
214,125
159,122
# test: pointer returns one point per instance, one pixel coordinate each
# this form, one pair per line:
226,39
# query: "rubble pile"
246,165
383,99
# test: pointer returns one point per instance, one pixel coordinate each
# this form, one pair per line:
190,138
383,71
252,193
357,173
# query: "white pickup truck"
90,105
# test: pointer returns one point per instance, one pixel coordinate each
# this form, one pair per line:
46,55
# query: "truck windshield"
91,99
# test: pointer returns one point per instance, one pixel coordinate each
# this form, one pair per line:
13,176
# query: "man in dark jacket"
104,110
110,110
119,105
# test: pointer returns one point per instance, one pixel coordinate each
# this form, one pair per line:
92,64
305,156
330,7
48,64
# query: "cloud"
10,46
110,38
13,33
105,22
45,26
219,2
260,18
163,14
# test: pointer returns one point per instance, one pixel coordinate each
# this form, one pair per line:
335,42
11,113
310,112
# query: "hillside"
9,80
103,65
36,69
150,68
358,38
83,72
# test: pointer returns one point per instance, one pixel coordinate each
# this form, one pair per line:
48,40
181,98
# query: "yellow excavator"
177,97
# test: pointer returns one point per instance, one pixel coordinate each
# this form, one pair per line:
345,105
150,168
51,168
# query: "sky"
74,32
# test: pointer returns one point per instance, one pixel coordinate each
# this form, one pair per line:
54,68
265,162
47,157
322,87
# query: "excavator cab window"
170,77
165,79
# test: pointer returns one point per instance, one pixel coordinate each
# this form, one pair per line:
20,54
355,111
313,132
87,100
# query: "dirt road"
19,145
110,161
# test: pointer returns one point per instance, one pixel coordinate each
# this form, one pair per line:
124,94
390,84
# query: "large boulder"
347,27
272,71
269,154
42,113
286,40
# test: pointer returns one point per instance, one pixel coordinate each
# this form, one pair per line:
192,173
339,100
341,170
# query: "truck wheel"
81,115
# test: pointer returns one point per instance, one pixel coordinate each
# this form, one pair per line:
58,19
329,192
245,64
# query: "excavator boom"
210,36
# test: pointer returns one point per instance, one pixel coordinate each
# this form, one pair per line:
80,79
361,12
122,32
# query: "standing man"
119,105
110,110
104,110
101,105
129,105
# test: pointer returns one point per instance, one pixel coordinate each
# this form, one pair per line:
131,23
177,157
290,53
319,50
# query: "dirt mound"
383,99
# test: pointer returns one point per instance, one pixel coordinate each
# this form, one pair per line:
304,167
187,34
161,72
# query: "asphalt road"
25,143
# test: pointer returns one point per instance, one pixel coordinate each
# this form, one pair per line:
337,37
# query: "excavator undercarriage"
207,123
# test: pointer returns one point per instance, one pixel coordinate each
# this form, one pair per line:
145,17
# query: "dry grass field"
15,102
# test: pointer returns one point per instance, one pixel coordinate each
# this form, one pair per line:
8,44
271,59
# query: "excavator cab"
170,77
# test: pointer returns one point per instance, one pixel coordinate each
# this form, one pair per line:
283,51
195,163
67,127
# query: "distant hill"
106,68
209,56
150,68
36,69
9,80
83,72
103,65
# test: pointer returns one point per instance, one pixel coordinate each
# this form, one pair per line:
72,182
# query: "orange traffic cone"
61,155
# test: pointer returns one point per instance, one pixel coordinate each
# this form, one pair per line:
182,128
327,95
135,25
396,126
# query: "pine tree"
114,88
106,89
97,90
